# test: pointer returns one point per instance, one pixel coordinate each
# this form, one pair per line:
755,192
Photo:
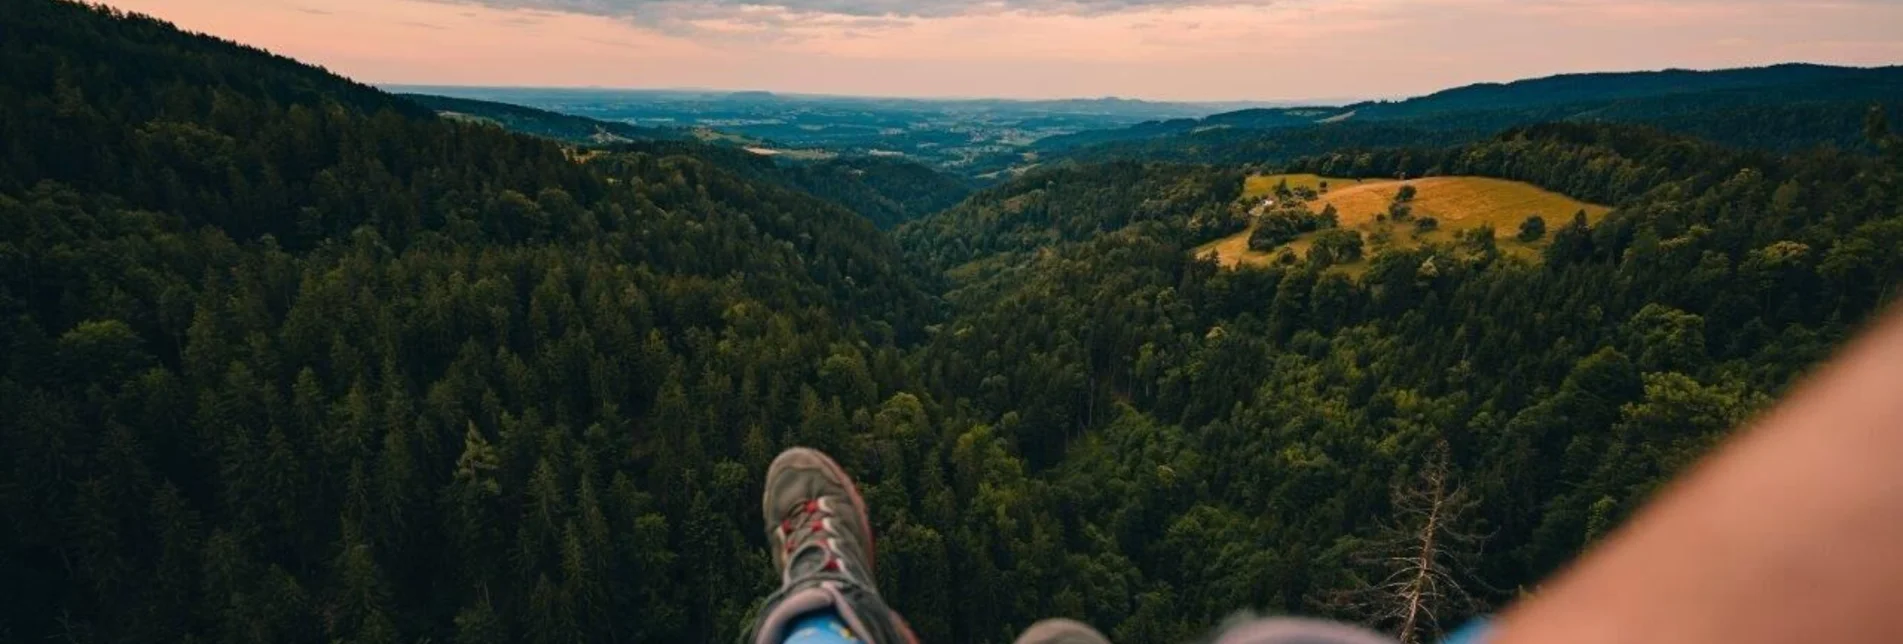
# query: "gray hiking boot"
812,508
821,536
1061,631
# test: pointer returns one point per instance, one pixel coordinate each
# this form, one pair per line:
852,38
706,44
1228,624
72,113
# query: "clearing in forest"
1455,203
1263,185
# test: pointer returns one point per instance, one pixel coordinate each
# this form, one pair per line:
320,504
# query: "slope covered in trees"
1071,204
1211,438
1808,82
888,191
1232,146
281,367
527,120
287,360
1779,108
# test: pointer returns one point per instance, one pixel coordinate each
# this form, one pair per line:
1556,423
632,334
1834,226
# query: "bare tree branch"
1420,555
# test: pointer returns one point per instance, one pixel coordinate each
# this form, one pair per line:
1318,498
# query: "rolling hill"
886,190
1455,204
1780,108
1787,83
527,120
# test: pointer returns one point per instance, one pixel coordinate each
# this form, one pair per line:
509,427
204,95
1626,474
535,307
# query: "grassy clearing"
1458,203
1263,185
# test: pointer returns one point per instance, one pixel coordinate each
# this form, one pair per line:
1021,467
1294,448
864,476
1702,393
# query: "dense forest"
1771,128
1050,207
367,375
289,359
887,190
1235,146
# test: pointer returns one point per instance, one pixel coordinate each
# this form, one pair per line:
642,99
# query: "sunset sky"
1156,49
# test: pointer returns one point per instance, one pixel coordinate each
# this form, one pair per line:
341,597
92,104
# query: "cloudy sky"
1158,49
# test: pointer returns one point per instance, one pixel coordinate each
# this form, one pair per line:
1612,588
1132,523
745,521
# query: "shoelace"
811,522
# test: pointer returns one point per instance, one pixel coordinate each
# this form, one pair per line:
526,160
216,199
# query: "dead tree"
1420,557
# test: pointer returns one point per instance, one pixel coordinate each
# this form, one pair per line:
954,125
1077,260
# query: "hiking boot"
815,516
1061,631
821,536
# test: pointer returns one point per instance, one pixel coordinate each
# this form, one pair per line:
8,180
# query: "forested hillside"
1788,83
1050,208
1199,436
1273,146
889,191
886,191
543,123
1782,108
282,367
288,359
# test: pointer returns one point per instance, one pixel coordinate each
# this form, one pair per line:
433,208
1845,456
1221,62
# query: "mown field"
1262,185
1457,203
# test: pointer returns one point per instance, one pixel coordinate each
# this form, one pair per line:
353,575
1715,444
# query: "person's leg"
1793,532
822,542
821,536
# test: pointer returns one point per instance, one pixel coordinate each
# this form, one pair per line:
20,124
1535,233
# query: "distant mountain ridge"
1105,104
1599,86
1837,95
966,136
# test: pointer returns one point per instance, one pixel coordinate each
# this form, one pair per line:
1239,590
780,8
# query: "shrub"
1336,246
1533,228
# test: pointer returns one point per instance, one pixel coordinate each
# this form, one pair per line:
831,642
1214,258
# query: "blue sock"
1475,632
820,627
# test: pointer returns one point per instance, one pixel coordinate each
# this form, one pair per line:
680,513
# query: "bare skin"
1791,533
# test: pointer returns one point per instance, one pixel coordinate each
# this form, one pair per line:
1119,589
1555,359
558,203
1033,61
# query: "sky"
1152,49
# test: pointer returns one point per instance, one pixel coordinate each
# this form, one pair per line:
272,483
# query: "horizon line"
1337,101
1280,102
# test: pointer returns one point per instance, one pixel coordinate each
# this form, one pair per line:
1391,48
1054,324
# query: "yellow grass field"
1459,203
1262,185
